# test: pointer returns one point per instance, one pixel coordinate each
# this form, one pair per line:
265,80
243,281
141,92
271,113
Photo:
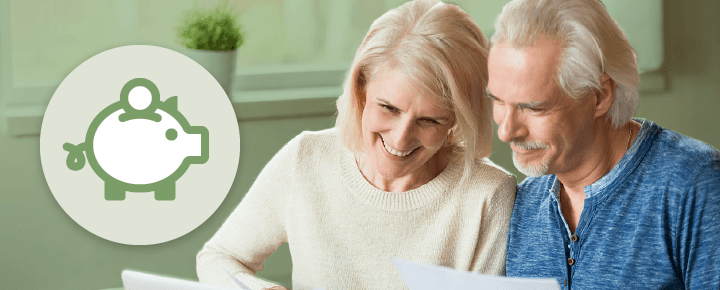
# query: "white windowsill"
26,120
286,91
287,103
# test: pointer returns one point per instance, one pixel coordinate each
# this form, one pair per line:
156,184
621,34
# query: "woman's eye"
389,108
431,121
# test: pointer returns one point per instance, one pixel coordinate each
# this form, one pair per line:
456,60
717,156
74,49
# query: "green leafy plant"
215,29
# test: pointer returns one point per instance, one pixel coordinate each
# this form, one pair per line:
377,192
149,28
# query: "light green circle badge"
139,145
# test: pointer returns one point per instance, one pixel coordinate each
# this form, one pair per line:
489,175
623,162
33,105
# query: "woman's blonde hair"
441,50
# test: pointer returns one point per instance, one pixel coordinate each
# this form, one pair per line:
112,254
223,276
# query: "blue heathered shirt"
653,222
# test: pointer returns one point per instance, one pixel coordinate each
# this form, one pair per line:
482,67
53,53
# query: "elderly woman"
402,175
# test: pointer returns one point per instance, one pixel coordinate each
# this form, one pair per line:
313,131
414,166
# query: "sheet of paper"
235,279
426,277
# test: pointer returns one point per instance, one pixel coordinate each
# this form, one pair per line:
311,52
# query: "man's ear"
606,95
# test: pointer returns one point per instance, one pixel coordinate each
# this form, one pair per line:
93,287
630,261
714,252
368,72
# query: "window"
294,49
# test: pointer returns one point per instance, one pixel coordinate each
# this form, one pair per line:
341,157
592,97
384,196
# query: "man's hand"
276,288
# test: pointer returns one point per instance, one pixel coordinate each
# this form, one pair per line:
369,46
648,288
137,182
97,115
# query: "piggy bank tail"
76,159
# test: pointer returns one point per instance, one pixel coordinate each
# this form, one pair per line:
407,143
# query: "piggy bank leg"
165,191
114,191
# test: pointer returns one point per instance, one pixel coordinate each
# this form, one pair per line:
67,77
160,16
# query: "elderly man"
611,202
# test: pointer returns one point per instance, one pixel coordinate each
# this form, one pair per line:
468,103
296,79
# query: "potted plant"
212,38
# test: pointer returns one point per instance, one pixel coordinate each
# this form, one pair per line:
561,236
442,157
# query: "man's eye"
531,110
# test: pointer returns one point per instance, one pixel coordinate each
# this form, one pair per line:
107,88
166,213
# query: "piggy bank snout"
190,143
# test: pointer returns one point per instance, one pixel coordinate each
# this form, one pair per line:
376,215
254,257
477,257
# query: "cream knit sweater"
343,232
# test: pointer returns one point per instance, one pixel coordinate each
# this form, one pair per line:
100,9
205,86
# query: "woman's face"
402,130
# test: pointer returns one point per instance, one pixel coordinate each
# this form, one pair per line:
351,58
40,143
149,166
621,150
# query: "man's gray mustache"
529,145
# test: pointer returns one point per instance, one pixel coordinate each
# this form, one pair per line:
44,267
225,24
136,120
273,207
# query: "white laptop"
142,281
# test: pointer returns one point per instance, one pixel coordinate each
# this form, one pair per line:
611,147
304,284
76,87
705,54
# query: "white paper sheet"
236,280
426,277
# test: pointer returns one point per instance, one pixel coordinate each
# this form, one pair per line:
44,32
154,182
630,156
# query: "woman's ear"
606,96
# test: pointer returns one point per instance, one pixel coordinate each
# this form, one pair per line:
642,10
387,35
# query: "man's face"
547,130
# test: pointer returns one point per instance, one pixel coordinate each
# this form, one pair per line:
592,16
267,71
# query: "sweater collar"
357,185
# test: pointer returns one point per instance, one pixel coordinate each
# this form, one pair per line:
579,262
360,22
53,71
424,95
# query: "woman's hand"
276,288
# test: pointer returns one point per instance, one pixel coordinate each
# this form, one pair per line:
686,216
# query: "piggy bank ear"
171,103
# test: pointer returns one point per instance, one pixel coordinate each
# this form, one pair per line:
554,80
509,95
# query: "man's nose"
511,126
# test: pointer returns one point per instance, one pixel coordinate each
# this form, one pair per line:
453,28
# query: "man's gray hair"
592,41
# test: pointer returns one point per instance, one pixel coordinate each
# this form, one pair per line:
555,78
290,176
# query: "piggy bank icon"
140,144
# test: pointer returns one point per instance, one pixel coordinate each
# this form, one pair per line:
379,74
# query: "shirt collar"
555,188
618,170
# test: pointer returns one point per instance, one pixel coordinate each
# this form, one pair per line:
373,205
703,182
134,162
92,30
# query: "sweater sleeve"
255,229
492,241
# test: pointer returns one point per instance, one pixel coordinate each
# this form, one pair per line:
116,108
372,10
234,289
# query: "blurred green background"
41,247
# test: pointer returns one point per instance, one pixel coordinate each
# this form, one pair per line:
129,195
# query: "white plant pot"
220,64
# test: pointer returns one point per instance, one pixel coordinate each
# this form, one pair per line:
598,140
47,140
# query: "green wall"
42,248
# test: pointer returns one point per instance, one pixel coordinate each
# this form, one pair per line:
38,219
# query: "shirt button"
574,238
571,261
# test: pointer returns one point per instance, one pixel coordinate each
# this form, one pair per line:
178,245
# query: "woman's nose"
403,134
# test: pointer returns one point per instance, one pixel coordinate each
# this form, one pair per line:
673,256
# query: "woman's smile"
396,153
